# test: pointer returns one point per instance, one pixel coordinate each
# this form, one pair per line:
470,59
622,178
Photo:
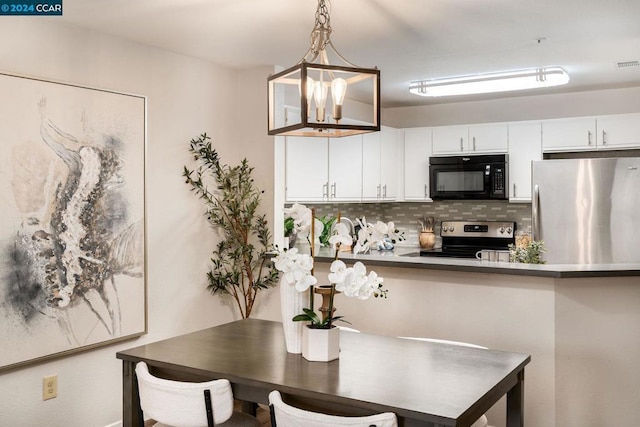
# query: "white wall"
186,96
534,107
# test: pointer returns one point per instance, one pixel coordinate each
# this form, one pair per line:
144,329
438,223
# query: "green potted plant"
240,264
527,251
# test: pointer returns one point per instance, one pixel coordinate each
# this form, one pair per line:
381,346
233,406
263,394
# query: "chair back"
464,344
284,415
178,403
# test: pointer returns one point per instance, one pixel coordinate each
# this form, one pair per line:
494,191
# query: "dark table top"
434,382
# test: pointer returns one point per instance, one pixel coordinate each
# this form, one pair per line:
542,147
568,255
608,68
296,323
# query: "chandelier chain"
322,15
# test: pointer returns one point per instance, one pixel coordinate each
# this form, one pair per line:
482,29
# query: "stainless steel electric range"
463,239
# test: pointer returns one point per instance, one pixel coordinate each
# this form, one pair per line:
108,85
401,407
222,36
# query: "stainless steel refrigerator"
587,210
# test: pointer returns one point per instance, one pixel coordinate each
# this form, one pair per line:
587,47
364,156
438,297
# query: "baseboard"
116,424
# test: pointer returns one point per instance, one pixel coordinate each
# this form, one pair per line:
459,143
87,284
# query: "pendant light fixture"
298,96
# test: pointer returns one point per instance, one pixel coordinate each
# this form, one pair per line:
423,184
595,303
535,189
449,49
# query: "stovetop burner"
462,239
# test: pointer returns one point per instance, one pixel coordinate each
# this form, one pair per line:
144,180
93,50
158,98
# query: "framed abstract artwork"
72,209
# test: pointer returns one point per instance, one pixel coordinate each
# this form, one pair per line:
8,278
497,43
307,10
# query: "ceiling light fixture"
488,83
291,92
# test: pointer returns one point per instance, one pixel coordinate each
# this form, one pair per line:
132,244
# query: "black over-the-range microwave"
469,177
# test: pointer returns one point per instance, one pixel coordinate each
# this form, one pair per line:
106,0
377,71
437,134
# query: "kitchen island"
579,323
409,257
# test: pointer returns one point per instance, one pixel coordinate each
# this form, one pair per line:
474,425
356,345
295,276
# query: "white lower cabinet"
417,149
525,146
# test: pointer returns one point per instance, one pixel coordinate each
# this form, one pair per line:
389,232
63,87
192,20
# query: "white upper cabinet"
417,149
525,146
390,144
618,131
307,169
323,169
575,134
488,138
450,139
345,168
379,165
470,139
611,132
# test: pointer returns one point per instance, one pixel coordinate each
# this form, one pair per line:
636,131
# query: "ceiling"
406,39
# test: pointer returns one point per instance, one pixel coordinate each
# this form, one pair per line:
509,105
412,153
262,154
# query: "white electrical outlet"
50,387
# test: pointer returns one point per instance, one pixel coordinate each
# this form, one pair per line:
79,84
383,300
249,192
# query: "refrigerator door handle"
536,213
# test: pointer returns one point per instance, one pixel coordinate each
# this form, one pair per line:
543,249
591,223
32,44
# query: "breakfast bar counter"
578,323
409,257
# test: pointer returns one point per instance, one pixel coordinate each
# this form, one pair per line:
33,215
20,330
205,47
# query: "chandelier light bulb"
320,90
338,91
310,89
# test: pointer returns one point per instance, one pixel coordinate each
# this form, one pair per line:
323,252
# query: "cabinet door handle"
378,191
514,189
604,138
474,143
333,190
589,137
384,191
461,144
325,190
426,191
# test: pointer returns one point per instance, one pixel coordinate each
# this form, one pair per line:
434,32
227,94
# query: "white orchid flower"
341,235
372,283
286,263
305,282
338,272
355,279
318,228
301,216
305,262
364,242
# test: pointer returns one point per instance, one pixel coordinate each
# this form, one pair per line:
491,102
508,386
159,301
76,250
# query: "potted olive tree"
240,265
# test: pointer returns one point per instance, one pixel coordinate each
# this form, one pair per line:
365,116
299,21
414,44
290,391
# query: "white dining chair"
284,415
482,421
188,404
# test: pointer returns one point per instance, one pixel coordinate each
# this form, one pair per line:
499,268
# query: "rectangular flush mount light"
488,83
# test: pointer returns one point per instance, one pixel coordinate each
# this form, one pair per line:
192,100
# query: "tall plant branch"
240,267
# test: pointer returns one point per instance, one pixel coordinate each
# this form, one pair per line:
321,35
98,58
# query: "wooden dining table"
423,383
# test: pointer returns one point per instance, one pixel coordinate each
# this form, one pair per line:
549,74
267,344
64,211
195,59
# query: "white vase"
292,302
320,345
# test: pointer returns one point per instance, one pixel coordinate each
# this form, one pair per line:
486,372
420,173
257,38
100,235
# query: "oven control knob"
501,230
509,230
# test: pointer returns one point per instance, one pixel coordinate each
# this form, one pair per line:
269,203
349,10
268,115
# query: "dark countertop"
407,257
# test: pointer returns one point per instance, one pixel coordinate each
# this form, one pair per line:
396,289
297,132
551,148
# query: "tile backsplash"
405,215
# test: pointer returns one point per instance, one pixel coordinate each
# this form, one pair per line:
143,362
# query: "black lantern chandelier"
298,96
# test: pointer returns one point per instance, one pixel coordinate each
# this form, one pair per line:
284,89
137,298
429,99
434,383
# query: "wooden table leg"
131,412
515,403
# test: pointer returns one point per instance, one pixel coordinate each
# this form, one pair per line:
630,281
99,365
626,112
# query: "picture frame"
73,223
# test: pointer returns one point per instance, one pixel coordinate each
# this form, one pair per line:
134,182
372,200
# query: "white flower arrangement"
297,270
376,236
